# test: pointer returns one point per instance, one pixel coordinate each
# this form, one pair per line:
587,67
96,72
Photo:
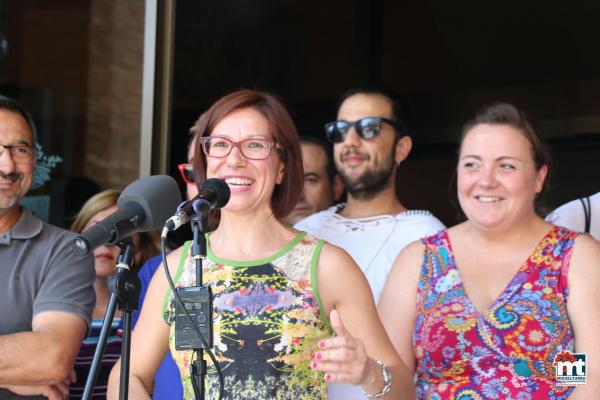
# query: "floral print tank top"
506,353
266,322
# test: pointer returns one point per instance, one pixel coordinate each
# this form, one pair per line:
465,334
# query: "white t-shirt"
374,243
571,215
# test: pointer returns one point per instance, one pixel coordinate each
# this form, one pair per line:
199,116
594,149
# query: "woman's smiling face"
251,181
497,177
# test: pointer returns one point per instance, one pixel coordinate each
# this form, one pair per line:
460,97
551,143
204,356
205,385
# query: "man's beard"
7,203
371,182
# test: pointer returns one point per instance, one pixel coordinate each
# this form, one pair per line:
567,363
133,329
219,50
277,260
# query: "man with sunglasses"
46,291
369,143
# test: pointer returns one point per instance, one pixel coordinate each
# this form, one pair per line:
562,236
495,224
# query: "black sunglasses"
367,128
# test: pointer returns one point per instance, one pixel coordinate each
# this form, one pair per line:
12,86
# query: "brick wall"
114,91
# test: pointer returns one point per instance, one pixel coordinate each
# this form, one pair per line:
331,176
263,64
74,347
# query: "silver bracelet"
387,380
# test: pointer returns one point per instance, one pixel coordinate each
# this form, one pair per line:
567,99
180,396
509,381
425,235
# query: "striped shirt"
83,362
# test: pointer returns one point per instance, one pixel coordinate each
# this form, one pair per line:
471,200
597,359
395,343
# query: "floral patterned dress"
506,353
266,322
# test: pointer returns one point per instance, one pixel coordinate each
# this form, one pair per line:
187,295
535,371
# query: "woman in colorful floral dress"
279,294
490,306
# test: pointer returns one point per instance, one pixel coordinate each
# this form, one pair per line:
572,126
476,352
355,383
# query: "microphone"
142,206
214,193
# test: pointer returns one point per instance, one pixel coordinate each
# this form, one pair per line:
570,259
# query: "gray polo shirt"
39,272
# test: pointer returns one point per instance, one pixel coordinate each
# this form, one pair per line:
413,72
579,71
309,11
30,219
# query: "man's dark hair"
398,108
6,103
327,148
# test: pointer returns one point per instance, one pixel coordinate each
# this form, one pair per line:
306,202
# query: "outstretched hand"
343,358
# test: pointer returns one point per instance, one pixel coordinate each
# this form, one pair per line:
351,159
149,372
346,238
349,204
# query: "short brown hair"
287,193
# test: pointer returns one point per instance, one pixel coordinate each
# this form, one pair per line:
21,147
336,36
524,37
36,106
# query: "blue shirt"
167,382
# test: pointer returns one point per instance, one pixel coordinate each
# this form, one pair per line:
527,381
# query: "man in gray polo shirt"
46,292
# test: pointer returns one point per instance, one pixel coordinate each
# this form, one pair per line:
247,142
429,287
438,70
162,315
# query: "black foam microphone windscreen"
144,205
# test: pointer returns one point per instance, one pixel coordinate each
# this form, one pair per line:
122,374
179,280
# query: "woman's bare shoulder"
409,260
586,256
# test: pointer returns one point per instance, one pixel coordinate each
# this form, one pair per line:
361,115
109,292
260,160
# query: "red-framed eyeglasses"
187,172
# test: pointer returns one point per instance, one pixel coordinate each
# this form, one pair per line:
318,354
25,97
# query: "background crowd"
327,289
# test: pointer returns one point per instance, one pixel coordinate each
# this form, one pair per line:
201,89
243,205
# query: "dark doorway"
446,58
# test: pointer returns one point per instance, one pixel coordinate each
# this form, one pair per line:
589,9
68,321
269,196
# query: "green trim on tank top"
314,263
210,255
288,247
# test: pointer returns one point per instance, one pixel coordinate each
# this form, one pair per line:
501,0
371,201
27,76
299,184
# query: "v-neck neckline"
510,288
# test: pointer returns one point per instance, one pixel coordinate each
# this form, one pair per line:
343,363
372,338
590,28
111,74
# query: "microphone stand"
198,368
124,287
